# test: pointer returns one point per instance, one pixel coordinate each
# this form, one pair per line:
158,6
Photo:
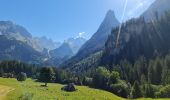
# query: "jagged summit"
97,41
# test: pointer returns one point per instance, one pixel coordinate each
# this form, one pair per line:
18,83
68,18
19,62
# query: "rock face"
63,51
97,41
59,55
19,33
47,43
75,43
12,49
158,8
12,30
139,38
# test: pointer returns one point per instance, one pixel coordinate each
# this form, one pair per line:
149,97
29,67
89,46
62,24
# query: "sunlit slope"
53,91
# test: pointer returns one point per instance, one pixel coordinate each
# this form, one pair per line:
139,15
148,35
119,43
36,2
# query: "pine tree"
143,79
136,91
149,92
158,71
151,72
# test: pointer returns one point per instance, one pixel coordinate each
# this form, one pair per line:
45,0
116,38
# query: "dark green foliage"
149,91
61,76
110,81
143,79
87,81
46,75
155,71
164,92
101,77
86,65
22,76
16,67
120,89
166,71
136,91
114,76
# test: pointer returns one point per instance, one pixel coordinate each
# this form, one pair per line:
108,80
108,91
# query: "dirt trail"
4,90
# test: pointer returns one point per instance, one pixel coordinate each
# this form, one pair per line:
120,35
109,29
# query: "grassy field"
11,89
52,92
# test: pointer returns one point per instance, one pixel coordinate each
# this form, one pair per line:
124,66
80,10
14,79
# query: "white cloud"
81,34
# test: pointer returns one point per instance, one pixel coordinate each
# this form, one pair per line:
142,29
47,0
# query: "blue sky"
61,19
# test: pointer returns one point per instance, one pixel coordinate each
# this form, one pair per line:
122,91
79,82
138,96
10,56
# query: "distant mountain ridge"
75,43
65,51
97,41
158,8
138,37
12,49
12,30
47,43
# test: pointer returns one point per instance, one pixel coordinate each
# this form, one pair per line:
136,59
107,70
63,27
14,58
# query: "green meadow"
31,90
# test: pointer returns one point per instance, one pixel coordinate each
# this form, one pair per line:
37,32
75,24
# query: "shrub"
22,76
87,81
114,76
69,87
101,78
119,89
164,92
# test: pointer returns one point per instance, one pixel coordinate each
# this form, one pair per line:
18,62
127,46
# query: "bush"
164,92
119,89
101,78
22,76
87,81
114,76
69,87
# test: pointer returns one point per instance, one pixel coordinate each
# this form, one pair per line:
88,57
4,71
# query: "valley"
61,55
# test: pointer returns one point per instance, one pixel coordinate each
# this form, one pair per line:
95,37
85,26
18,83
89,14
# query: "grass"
29,88
53,91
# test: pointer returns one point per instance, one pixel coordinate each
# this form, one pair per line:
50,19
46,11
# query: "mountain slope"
59,55
76,43
12,49
17,32
139,38
97,41
49,44
157,8
63,51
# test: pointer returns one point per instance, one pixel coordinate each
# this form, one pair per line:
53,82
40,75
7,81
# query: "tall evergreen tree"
136,91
